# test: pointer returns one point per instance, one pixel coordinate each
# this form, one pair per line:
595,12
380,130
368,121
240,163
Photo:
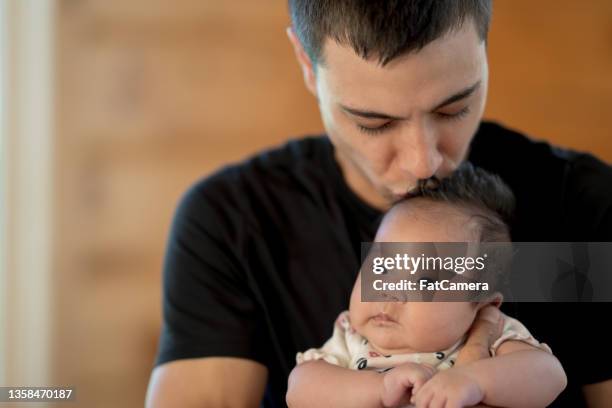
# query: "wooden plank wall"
152,95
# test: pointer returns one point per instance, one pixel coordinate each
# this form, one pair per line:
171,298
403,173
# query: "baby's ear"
496,299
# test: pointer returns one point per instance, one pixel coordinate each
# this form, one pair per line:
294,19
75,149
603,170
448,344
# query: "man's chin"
390,197
394,196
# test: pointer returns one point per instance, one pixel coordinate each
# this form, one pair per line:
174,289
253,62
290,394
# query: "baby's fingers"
453,403
418,384
422,399
438,401
393,393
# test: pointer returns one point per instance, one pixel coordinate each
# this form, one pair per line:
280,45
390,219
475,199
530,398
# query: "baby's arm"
520,375
320,384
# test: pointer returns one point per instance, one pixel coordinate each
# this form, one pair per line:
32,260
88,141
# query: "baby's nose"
396,299
393,299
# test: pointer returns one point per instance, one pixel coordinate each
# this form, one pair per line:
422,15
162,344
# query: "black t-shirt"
262,255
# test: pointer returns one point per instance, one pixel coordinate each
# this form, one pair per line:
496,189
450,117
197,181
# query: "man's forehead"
442,67
462,37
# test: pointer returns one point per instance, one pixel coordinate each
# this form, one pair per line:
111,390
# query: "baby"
394,353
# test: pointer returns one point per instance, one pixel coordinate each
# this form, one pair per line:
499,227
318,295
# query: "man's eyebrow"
458,96
368,114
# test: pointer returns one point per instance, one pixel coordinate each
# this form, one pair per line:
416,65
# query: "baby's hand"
401,379
452,388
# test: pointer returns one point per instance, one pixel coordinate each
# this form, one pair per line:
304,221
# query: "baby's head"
471,205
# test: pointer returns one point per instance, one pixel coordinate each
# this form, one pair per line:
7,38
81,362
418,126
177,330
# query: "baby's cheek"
434,329
358,314
431,332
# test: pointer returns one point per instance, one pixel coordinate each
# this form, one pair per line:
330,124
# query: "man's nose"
417,150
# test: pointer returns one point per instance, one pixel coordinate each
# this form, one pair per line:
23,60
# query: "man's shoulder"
568,186
509,141
495,136
497,145
288,159
280,168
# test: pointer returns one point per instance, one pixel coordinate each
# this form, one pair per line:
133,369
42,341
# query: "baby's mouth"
382,319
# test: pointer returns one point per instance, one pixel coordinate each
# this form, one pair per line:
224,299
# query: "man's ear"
304,61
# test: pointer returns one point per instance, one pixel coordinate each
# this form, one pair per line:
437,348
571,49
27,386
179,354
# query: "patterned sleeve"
515,330
335,350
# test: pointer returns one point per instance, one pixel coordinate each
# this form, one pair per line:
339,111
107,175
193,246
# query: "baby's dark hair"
481,194
485,197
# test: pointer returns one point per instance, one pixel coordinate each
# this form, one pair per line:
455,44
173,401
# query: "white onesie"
348,349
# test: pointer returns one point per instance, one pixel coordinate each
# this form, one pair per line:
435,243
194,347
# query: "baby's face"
405,327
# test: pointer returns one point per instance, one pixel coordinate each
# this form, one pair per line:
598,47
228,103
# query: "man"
262,255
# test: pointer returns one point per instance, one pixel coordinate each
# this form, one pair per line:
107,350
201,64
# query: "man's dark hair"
482,194
384,29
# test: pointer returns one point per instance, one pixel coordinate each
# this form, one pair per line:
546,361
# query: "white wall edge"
3,180
28,143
